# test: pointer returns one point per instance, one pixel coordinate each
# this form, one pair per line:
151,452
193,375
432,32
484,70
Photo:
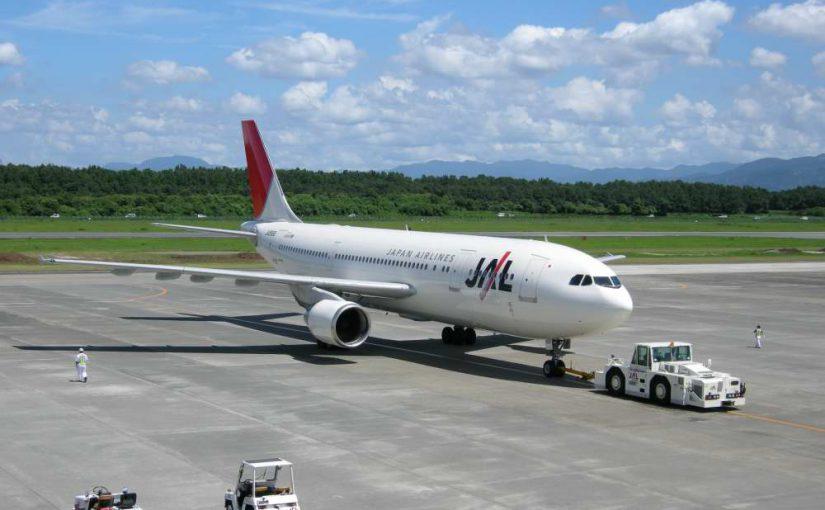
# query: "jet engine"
339,323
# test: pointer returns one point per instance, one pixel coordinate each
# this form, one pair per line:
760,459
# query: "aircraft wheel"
469,336
459,334
553,368
615,382
447,336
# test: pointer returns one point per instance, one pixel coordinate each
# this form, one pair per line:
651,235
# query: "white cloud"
312,56
760,57
340,12
618,10
183,104
690,31
818,62
13,80
306,95
144,122
591,100
10,55
137,137
630,49
246,104
398,84
680,110
803,19
748,108
164,72
100,17
99,114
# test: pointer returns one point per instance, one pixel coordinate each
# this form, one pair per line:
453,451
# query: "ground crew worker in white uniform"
80,362
758,334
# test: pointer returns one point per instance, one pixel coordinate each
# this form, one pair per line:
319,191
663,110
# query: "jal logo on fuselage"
486,274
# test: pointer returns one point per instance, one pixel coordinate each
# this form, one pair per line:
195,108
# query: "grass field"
22,254
465,222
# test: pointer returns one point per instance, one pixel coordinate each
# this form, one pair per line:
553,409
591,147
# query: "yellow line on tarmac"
777,421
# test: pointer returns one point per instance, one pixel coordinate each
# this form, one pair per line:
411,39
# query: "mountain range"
162,163
769,173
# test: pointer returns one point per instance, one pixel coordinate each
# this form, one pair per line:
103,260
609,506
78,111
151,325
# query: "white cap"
80,350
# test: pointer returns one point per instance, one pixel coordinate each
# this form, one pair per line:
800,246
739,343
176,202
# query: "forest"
222,192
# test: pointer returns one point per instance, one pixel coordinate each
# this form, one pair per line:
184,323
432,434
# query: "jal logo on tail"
485,276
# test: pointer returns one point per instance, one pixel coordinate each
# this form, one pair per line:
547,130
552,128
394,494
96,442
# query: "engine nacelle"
339,323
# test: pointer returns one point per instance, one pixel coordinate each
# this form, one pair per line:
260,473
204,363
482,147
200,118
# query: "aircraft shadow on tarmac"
426,351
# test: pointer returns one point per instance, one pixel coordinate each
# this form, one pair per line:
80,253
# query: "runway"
186,379
537,234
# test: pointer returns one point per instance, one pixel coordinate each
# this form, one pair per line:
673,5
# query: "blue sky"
374,84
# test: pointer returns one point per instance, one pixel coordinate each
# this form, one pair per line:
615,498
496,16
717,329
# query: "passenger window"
576,280
587,280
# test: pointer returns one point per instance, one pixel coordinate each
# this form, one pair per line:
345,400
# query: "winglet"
609,258
268,200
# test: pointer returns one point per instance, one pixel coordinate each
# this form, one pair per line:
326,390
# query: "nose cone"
618,305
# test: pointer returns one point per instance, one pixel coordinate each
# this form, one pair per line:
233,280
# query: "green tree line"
93,191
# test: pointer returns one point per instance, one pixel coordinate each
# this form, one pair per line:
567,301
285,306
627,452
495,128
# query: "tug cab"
263,484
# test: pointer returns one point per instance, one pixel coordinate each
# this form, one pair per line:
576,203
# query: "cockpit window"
587,280
576,279
607,281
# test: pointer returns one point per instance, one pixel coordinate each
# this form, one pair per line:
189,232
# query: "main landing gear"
458,335
555,367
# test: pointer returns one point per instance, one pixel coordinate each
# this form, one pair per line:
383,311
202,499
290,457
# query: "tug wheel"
615,382
660,391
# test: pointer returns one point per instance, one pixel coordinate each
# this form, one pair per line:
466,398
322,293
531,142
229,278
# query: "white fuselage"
514,286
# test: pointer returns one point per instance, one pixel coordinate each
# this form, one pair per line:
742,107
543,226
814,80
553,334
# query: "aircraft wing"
237,233
163,272
609,258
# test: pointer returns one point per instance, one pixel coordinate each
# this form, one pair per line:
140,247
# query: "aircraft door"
462,269
528,291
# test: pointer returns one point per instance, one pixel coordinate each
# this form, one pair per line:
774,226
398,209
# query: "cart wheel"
615,382
660,391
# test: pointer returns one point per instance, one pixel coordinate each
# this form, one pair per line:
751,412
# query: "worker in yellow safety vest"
758,335
80,362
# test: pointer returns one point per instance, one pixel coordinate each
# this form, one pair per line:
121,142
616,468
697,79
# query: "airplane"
520,287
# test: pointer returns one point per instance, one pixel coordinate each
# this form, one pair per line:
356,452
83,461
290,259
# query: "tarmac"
187,379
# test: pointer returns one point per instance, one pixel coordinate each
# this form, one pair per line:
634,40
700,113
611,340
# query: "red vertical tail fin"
268,200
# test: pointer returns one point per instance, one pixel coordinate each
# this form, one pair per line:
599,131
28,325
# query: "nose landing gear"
458,335
555,367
